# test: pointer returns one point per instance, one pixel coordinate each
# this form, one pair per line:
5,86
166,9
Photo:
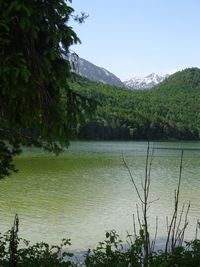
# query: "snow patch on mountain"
146,82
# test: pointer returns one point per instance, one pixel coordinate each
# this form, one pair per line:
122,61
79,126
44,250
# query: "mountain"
145,82
89,70
170,110
94,73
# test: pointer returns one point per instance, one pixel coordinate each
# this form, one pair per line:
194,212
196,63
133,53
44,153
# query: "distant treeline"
171,110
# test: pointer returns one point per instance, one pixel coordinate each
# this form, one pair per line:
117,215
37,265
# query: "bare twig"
185,224
197,228
138,216
131,176
144,200
155,237
178,226
167,223
134,227
174,217
149,172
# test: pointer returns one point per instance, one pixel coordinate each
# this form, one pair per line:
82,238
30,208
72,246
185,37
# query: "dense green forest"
170,110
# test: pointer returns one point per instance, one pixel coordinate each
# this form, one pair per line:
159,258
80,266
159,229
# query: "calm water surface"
87,190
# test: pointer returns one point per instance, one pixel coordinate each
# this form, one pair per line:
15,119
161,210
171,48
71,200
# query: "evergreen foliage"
37,106
170,110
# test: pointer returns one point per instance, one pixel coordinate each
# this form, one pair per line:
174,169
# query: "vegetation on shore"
109,253
168,111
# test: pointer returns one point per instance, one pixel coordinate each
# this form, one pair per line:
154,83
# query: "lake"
87,190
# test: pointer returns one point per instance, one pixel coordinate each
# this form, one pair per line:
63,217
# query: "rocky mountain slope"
95,73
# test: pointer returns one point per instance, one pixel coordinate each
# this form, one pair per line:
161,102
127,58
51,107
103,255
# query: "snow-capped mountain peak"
146,82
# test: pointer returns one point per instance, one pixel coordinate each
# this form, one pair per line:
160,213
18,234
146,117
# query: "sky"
137,37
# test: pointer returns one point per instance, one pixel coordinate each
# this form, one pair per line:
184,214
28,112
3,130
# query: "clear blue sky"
136,37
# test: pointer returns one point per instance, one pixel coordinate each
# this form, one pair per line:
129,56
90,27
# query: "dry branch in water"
175,233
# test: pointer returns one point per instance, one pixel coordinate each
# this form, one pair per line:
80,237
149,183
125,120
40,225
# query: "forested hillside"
170,110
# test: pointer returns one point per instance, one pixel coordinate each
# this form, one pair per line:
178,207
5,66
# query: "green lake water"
87,190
